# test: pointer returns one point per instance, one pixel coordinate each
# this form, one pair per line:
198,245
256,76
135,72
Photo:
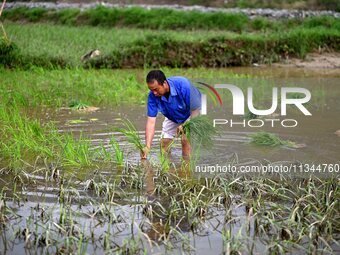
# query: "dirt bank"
313,60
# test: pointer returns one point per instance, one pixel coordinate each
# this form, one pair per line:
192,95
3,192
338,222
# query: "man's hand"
144,153
179,130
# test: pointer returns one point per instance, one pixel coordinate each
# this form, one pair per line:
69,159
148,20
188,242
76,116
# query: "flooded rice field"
317,134
142,207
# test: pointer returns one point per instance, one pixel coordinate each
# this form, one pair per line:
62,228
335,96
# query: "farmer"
178,100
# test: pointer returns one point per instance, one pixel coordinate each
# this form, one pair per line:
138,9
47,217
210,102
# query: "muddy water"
40,207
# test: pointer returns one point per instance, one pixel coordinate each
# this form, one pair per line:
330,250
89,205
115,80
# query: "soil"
313,60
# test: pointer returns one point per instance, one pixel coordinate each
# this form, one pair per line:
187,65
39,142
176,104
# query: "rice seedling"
76,153
164,160
200,131
132,135
119,156
231,244
268,139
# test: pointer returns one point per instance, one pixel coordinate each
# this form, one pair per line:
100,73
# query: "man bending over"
178,100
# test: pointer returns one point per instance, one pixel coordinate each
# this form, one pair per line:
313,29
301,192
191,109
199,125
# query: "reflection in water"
156,209
149,177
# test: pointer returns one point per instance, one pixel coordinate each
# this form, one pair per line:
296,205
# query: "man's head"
157,83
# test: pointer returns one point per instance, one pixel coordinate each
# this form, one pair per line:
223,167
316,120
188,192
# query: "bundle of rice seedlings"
131,133
268,139
200,131
78,105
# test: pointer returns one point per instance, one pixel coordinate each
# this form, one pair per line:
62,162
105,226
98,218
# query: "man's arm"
195,113
149,134
150,131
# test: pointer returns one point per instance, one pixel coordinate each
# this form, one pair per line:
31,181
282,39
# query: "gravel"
252,13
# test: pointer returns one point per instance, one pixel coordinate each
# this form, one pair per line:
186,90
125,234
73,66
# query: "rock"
89,109
299,146
90,54
337,132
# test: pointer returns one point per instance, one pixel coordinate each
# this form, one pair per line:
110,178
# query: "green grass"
66,43
38,88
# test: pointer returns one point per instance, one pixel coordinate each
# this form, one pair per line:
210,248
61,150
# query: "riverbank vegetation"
46,45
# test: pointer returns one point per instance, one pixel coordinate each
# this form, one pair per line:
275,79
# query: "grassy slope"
45,45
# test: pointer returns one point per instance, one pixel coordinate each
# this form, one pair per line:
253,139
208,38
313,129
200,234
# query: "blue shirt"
183,99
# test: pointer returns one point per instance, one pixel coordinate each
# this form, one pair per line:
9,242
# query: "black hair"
157,75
